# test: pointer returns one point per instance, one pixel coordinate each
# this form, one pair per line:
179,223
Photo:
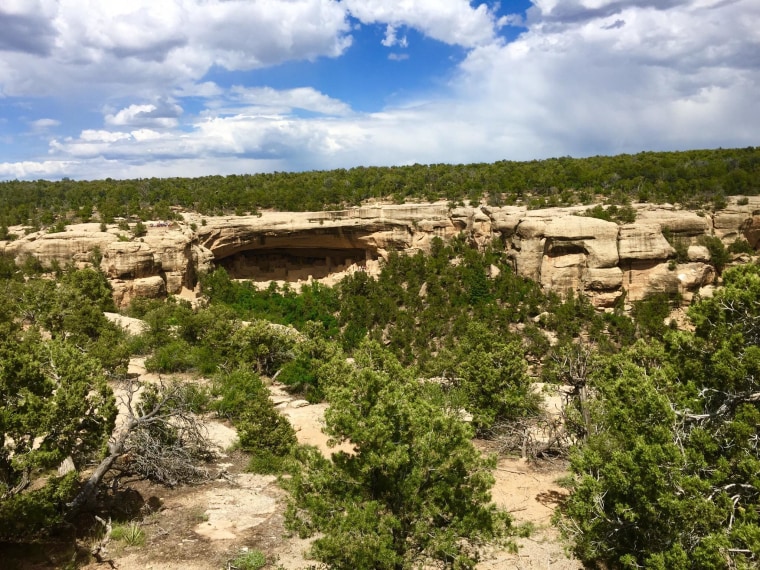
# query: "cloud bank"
583,77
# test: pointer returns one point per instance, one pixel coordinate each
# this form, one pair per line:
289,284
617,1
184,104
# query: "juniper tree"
413,491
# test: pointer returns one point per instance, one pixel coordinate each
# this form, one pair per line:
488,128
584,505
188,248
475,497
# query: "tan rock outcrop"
698,253
603,279
145,287
639,242
75,245
680,223
751,230
560,248
642,278
694,276
129,259
728,222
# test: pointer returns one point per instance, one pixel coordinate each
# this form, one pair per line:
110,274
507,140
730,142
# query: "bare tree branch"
160,439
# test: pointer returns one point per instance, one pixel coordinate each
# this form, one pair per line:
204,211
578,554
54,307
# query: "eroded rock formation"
559,248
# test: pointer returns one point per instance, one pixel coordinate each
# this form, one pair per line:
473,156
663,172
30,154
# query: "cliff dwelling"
293,264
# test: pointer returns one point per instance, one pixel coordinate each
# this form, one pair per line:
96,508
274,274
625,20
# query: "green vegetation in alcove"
422,304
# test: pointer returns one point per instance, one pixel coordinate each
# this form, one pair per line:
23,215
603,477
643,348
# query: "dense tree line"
693,178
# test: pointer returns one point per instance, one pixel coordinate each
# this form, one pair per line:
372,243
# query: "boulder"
527,255
642,242
727,223
681,223
506,219
642,278
694,276
751,230
129,259
603,279
563,273
698,253
149,287
597,239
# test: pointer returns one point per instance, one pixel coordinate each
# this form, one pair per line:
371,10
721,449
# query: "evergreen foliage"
56,404
692,178
413,491
668,477
262,430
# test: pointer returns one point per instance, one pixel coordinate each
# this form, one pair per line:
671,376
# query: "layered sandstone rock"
560,248
129,260
75,245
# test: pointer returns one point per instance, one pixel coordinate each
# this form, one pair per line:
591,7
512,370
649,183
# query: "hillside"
615,342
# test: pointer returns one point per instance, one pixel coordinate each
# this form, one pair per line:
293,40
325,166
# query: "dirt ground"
205,527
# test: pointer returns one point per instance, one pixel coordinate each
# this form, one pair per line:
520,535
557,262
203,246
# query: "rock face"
560,248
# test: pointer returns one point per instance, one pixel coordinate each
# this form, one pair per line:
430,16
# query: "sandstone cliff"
559,247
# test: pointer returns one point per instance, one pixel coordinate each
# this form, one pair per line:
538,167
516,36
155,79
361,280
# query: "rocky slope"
558,247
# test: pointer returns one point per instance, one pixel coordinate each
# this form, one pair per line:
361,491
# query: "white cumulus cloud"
44,124
585,77
85,45
304,98
163,114
454,22
391,39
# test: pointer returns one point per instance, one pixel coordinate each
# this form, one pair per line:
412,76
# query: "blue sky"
139,88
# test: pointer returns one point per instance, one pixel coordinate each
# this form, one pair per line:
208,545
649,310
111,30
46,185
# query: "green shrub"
680,244
198,398
138,344
38,512
741,245
649,315
176,356
300,376
58,227
719,255
205,359
251,560
139,230
234,390
262,429
130,534
268,463
613,213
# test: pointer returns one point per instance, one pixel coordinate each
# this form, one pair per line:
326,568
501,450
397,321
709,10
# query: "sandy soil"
531,494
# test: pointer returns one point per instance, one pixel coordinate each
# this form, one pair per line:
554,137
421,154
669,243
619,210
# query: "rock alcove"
293,264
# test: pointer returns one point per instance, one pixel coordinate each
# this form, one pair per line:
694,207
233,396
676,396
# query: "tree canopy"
670,475
412,490
695,177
